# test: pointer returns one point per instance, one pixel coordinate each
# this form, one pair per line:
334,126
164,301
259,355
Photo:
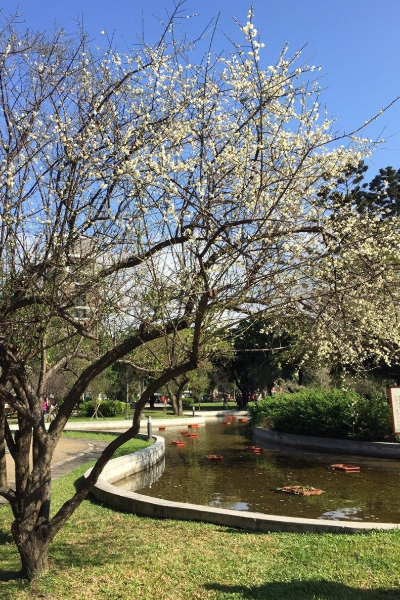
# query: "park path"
69,454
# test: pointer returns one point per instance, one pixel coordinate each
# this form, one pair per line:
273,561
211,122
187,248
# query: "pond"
249,482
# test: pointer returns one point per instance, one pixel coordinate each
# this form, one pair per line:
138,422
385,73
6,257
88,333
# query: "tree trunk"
33,548
179,407
174,404
31,528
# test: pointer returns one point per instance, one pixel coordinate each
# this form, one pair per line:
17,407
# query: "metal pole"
193,411
149,428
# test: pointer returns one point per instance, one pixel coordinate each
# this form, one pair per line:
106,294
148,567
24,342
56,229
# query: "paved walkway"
69,454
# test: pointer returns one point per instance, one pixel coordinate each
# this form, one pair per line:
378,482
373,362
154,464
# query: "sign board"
394,395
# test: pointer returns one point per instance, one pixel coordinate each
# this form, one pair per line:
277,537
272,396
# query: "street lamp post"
127,401
149,428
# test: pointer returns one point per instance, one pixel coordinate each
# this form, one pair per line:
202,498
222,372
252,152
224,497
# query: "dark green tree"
260,357
383,194
380,196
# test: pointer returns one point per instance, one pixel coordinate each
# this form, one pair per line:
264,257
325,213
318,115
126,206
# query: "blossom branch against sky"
356,43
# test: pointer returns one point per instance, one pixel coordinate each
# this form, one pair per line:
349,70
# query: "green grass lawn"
133,445
106,555
155,414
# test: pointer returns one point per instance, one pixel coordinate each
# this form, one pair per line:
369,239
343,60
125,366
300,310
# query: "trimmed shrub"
107,408
326,413
187,403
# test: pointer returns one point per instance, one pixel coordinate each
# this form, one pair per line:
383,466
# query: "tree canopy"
144,196
380,196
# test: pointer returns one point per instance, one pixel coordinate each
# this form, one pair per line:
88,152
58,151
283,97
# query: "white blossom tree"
354,319
143,196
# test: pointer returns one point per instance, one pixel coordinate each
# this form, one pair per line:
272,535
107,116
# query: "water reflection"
143,479
248,482
218,502
343,514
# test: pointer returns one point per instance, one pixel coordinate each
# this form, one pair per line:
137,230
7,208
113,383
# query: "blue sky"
356,42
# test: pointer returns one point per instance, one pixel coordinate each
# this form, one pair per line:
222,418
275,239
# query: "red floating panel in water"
254,449
178,443
193,426
300,490
215,457
346,468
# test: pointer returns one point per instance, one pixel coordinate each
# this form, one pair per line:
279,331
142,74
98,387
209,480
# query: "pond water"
249,482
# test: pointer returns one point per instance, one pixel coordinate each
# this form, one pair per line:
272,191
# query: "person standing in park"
48,408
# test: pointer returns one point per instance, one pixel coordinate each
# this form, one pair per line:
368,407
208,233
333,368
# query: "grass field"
106,555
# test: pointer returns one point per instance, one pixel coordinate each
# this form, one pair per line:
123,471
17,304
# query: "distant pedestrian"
46,408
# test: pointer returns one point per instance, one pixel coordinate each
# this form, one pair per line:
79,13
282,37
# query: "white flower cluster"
193,176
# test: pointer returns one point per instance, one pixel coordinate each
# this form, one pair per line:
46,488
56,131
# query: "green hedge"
187,403
326,413
108,408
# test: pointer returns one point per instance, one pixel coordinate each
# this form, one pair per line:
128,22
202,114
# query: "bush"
187,403
107,408
326,413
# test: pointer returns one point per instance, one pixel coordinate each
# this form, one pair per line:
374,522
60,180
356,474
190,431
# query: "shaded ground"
69,454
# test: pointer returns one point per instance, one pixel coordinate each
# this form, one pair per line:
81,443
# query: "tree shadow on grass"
82,554
7,574
303,590
90,551
59,551
5,537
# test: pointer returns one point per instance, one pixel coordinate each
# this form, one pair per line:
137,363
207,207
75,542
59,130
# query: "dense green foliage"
259,358
107,408
380,196
187,402
326,413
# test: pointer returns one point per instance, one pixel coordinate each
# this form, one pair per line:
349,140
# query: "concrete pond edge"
372,449
139,504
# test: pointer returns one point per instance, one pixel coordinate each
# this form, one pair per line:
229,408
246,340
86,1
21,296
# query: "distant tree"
380,196
152,359
383,195
123,381
259,357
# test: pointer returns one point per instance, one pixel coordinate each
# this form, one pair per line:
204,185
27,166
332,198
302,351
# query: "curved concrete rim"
132,502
